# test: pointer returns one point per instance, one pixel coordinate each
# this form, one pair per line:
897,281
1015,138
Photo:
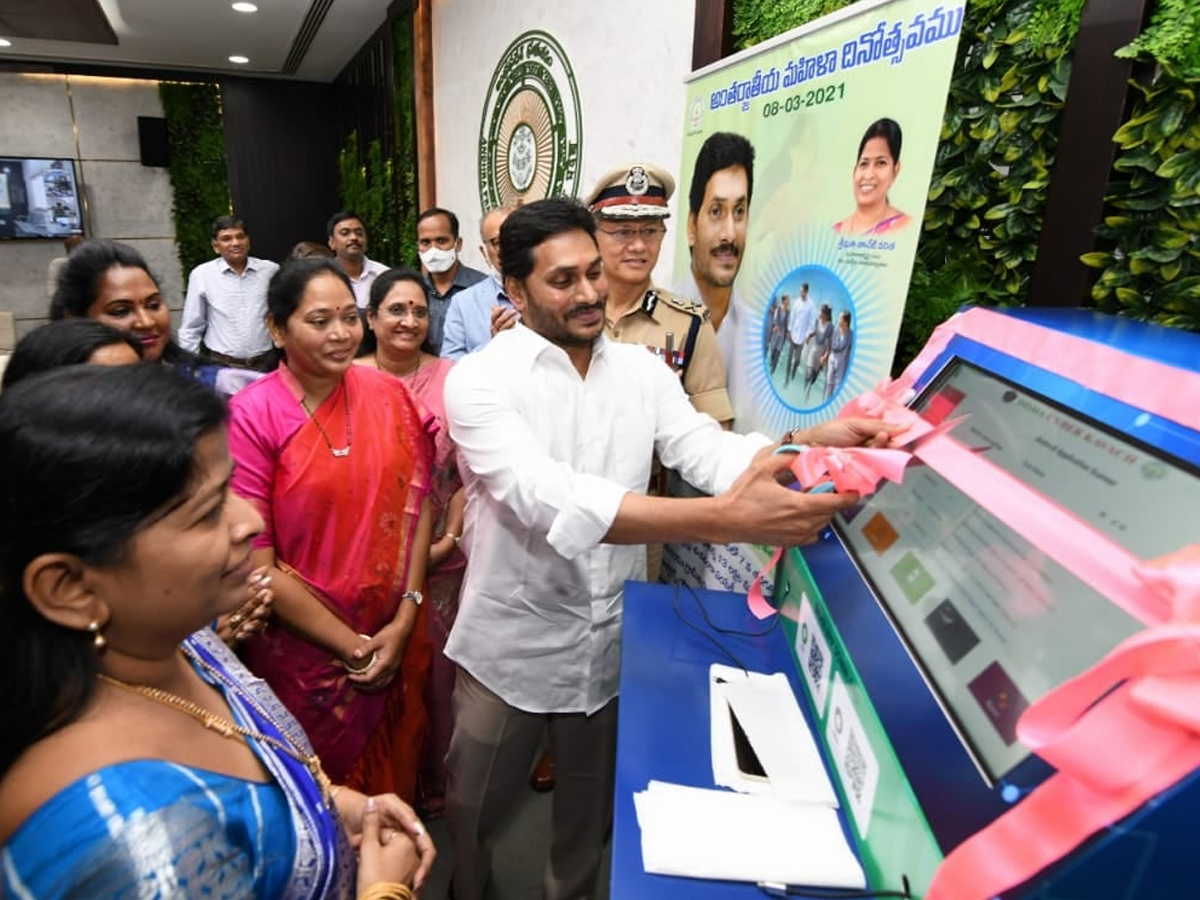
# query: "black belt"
264,361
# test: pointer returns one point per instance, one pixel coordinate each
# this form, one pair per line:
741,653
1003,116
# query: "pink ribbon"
858,469
1093,558
889,398
1119,734
1143,383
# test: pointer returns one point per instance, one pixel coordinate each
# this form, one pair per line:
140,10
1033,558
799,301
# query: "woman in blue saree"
139,758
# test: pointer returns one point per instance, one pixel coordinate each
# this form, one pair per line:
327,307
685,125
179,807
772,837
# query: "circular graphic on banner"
808,337
530,136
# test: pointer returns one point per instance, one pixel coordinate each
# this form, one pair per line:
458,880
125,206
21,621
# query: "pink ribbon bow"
1119,734
857,469
886,399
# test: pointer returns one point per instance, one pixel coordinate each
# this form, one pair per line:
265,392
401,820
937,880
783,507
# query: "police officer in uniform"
630,206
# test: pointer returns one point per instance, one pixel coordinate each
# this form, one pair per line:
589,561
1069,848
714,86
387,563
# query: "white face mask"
438,261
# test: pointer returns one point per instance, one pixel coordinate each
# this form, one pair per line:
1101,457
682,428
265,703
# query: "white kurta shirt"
547,457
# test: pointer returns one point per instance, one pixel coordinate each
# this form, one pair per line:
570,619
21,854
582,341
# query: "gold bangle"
387,890
453,537
369,664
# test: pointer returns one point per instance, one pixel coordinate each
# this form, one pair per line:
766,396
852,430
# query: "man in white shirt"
348,241
556,426
801,321
224,315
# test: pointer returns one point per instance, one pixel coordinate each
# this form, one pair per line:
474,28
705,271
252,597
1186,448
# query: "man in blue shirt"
482,310
224,315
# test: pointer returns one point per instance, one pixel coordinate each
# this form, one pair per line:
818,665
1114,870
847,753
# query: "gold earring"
98,640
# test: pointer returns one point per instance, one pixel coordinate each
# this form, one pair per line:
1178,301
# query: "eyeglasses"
648,233
396,311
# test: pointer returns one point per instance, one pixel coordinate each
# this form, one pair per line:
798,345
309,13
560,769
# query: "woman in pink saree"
398,313
337,459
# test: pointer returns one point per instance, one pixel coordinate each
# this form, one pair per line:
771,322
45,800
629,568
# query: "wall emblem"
530,136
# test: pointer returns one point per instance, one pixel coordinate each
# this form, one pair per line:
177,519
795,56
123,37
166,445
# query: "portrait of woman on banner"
876,170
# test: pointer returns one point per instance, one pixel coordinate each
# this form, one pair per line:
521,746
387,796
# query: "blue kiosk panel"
941,625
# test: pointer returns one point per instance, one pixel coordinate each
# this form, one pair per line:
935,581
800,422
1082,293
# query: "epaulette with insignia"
691,307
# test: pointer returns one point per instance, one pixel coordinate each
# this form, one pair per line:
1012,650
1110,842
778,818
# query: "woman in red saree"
337,458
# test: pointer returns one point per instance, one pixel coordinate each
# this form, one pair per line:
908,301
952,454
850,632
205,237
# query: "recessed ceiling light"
245,7
5,42
240,60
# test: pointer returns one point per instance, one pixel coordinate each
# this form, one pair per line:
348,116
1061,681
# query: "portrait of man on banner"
718,221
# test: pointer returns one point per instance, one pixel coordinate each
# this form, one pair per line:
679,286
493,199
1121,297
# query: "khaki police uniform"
696,353
628,195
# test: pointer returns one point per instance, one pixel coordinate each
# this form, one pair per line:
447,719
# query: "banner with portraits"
806,165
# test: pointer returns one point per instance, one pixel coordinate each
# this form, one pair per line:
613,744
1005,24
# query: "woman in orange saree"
337,458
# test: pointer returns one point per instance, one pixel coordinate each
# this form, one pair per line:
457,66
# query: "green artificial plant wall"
199,181
369,190
994,163
384,191
1172,38
406,141
1150,264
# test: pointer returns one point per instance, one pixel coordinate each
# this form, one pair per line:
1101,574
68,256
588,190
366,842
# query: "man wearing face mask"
482,310
439,244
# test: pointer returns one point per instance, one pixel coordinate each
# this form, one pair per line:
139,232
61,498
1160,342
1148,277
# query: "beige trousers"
492,750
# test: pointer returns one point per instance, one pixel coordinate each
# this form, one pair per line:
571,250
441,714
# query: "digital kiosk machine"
932,617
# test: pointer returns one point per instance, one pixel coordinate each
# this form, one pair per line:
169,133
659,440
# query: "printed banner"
804,255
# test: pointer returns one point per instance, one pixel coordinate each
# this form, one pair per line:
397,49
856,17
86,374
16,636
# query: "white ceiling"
201,35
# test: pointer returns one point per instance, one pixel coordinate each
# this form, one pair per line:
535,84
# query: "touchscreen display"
992,620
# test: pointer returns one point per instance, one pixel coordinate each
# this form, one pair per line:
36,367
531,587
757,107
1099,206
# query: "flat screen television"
39,198
992,621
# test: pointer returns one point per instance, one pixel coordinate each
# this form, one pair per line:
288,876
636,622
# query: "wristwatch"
415,596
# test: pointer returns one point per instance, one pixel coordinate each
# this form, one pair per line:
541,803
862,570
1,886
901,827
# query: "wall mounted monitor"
991,620
39,198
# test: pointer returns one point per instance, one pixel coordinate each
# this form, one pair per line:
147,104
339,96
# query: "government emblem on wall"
530,137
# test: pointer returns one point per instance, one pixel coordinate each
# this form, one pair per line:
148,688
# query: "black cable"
736,632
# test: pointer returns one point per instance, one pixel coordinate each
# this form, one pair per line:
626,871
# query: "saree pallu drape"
344,526
155,828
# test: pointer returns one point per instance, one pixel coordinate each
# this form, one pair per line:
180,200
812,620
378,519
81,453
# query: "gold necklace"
336,451
226,728
403,376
